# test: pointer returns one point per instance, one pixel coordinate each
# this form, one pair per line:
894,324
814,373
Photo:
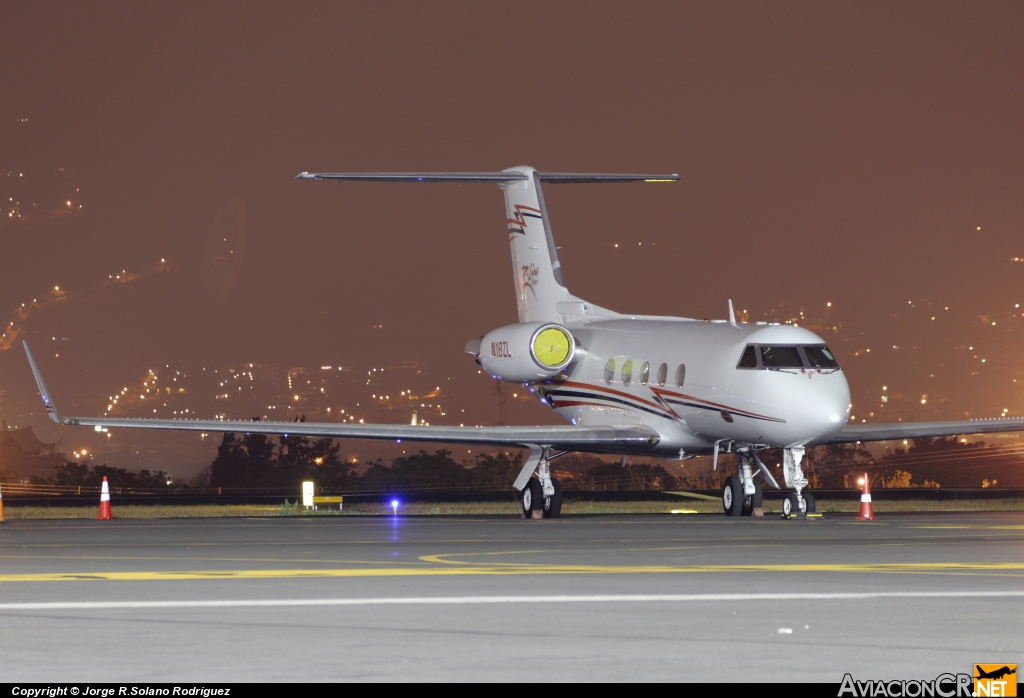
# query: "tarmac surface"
495,598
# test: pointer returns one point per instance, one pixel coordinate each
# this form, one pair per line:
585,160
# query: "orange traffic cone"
867,512
105,502
2,519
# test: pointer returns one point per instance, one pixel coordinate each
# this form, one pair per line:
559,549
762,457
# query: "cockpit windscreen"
788,356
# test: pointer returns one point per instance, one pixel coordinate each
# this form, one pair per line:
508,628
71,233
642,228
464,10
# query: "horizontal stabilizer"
583,178
417,176
497,177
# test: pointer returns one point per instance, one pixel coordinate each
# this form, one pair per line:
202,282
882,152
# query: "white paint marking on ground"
500,600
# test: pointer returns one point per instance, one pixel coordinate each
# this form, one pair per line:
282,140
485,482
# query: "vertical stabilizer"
541,295
538,274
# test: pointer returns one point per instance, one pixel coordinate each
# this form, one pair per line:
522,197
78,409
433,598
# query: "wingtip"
51,408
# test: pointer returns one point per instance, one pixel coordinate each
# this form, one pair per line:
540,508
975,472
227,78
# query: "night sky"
867,155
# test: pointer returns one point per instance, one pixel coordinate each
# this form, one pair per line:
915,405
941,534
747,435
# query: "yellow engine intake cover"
552,346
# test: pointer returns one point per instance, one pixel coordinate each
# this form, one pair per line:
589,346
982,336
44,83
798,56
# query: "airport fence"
15,494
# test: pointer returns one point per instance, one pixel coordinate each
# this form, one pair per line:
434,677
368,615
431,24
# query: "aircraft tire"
531,498
553,504
809,501
754,501
732,496
790,505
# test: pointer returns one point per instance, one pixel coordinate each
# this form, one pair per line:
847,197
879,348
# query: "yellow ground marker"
462,569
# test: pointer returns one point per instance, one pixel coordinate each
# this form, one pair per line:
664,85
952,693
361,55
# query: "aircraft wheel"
753,501
732,496
553,504
532,498
790,505
809,501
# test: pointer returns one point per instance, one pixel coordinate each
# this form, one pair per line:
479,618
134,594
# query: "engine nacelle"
527,351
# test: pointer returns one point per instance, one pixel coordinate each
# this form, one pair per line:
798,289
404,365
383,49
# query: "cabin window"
662,374
609,371
681,375
627,371
749,358
820,357
781,357
645,373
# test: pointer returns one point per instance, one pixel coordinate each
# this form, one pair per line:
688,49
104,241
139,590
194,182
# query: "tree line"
258,461
71,474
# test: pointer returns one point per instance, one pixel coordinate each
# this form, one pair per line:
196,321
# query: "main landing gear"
537,505
539,494
742,495
736,502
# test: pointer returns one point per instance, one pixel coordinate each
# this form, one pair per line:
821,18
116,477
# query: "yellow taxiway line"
449,570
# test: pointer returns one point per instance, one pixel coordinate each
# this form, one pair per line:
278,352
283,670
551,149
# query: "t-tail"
541,293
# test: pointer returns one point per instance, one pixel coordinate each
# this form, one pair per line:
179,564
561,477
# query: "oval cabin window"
681,375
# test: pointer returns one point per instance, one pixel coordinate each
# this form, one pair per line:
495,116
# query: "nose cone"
818,407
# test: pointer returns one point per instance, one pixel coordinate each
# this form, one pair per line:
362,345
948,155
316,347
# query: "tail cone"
105,502
867,512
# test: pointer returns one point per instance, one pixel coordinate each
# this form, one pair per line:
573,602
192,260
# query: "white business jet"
664,387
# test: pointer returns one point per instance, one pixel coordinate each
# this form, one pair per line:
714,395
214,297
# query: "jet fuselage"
686,380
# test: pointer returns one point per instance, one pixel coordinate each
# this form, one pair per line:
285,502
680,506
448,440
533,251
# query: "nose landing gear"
792,505
798,502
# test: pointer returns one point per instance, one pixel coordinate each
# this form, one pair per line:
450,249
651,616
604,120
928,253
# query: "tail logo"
517,224
530,279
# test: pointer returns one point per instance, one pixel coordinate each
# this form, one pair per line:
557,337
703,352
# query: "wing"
913,430
567,438
563,437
